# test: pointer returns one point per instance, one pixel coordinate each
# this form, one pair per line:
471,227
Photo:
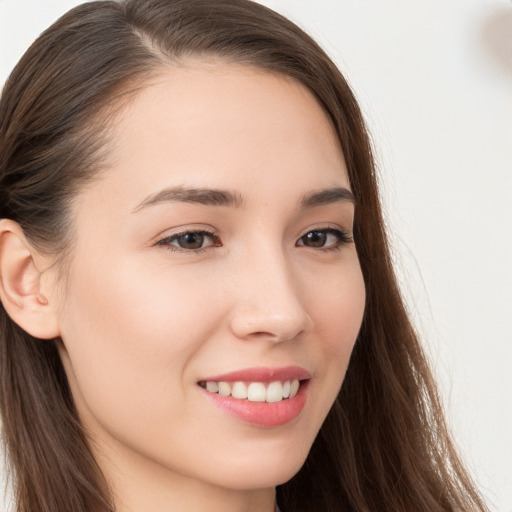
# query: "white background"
435,81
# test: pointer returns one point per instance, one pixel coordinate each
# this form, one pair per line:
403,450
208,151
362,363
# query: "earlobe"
21,290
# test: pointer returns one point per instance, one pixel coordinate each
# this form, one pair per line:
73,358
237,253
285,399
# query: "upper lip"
262,374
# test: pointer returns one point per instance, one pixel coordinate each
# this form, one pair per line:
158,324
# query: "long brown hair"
384,444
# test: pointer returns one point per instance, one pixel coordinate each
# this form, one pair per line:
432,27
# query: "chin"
263,469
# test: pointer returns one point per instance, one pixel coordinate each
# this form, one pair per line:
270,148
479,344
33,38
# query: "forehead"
212,125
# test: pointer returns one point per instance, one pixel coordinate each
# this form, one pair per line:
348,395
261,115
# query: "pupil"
315,239
191,241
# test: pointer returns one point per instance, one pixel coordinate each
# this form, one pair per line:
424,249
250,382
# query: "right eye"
190,241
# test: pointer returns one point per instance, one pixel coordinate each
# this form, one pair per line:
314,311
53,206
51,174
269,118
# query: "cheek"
128,334
132,311
338,307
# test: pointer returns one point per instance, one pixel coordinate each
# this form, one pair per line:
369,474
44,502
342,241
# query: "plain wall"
435,81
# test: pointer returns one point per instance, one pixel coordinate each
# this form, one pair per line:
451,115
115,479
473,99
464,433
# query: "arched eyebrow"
326,196
204,196
229,198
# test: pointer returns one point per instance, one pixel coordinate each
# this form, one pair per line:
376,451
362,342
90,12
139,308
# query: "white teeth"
212,387
294,387
286,389
274,392
224,389
255,391
239,390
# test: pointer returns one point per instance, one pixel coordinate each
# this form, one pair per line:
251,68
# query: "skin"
142,321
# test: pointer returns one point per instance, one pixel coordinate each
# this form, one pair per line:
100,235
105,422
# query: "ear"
21,290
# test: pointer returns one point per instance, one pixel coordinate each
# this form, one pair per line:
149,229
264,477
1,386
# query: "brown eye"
315,239
190,241
324,239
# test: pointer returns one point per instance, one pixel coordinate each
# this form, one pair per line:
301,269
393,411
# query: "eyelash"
167,241
342,236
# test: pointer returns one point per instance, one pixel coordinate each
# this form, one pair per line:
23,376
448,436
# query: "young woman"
192,263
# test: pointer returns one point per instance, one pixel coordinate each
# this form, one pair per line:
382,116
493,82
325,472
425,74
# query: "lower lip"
262,414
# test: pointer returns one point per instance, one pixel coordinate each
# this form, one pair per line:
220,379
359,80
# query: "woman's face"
216,247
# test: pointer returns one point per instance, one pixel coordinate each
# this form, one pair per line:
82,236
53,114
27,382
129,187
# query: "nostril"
274,337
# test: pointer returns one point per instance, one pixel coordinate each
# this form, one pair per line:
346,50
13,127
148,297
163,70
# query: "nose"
268,303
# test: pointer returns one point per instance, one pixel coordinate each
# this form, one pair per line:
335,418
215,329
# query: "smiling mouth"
271,392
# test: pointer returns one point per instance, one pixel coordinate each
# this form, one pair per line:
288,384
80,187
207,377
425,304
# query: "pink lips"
262,414
262,375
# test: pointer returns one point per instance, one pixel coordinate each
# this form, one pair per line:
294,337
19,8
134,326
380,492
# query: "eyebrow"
228,198
204,196
327,196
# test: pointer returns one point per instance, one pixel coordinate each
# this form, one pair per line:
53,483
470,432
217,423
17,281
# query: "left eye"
324,238
191,240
